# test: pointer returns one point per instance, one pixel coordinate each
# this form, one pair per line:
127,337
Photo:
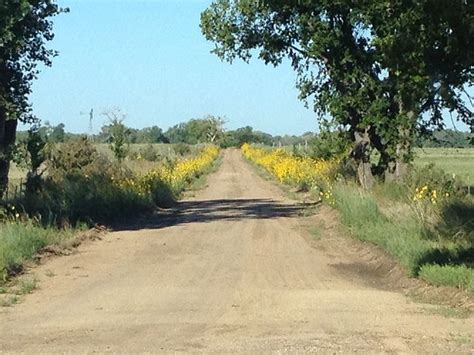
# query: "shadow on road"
205,211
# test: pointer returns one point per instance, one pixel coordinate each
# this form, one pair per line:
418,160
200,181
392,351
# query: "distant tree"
147,135
153,134
238,137
445,138
118,133
207,129
215,128
52,134
177,133
25,27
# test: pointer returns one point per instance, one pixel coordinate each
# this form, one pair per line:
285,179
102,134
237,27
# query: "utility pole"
90,133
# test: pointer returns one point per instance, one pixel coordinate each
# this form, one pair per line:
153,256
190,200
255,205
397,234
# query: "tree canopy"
202,130
374,67
25,27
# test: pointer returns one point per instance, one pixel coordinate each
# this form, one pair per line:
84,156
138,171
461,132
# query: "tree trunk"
7,140
361,155
399,167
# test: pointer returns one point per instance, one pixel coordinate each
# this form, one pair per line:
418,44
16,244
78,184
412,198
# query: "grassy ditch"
21,241
392,225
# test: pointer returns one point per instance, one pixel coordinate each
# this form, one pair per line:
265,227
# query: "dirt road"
233,271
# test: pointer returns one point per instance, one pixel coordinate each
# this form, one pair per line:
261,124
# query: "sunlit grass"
459,161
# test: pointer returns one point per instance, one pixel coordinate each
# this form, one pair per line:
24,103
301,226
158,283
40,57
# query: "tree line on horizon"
195,131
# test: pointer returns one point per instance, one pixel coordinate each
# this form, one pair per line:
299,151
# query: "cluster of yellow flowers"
173,176
303,172
425,193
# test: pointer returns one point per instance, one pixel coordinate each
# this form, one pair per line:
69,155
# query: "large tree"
25,27
373,66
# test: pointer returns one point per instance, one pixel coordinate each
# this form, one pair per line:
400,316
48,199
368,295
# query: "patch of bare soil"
231,269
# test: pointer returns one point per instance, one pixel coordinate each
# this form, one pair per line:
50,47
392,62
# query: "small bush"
181,149
79,187
457,220
149,153
449,275
436,179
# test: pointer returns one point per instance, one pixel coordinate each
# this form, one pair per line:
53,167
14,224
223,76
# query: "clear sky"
150,59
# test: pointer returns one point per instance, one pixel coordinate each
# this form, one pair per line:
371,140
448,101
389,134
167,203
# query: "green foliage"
181,149
435,178
329,144
367,65
25,27
403,236
445,138
118,139
30,154
459,276
149,153
21,241
79,187
457,220
207,129
150,135
82,185
243,135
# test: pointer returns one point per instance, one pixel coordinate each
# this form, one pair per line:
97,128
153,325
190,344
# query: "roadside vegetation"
425,221
69,187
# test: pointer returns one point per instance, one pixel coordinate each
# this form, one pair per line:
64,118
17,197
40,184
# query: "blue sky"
150,59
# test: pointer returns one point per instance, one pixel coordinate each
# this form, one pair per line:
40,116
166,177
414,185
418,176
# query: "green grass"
361,213
19,242
459,161
438,261
458,276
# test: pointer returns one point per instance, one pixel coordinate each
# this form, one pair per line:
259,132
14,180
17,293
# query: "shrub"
457,220
79,187
435,180
83,185
181,149
149,153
